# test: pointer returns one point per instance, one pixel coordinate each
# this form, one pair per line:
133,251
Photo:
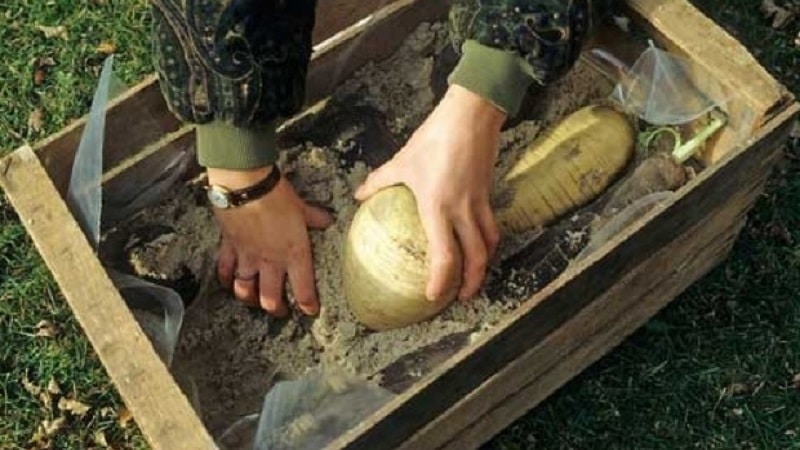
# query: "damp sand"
228,355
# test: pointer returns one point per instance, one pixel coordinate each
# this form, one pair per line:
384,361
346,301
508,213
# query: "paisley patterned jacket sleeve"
237,67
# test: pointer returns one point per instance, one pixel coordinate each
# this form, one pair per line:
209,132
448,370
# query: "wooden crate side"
334,16
754,95
160,408
562,299
141,115
592,333
372,41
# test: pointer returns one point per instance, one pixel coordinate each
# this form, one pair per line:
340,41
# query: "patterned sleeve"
547,34
239,61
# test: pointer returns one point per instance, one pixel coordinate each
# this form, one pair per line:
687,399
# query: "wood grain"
161,410
333,16
141,114
591,333
578,287
719,60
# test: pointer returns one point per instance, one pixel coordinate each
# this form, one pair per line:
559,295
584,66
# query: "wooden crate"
553,336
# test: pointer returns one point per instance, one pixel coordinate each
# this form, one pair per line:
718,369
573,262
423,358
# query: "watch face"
218,197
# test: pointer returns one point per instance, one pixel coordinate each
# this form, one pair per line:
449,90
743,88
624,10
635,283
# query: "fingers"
383,176
271,280
489,229
301,277
445,257
316,217
475,255
245,280
226,263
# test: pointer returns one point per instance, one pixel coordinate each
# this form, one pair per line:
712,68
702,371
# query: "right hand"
265,240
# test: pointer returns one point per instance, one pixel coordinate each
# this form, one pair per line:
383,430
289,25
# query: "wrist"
479,111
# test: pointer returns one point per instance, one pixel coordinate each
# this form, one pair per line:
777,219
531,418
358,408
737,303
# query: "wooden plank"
142,116
384,34
575,289
161,410
333,16
592,333
722,60
139,115
373,40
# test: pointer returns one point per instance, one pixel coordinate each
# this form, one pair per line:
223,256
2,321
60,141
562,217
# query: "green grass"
713,370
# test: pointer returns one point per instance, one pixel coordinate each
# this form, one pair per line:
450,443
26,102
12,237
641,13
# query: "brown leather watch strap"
260,189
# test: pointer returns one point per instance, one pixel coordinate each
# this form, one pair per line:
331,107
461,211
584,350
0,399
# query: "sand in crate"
231,353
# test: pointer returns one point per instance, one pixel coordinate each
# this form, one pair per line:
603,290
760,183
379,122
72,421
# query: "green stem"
686,150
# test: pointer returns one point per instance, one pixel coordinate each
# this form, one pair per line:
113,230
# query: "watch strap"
260,189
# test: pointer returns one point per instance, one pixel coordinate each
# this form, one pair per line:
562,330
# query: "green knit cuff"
223,146
496,75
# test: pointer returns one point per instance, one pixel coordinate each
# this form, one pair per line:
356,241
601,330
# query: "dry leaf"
30,387
737,411
106,411
46,399
35,124
796,381
52,387
780,16
106,47
125,417
46,429
38,77
52,32
71,405
100,439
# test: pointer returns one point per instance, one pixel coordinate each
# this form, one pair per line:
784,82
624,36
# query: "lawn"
719,368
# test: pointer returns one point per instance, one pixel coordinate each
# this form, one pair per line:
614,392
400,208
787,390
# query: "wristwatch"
224,198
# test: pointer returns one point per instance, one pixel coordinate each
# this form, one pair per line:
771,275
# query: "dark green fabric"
499,76
236,67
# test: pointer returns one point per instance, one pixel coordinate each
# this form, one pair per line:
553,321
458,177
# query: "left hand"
448,164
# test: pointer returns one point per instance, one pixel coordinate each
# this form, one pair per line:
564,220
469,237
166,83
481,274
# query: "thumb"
383,176
316,217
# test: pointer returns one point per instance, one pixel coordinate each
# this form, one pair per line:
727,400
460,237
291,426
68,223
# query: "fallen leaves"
780,15
35,124
40,67
125,417
44,328
59,31
796,381
49,32
73,406
106,48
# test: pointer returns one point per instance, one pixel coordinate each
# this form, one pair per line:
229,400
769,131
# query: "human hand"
448,164
266,239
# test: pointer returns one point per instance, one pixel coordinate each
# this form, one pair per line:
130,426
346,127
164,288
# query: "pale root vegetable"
385,268
385,264
571,164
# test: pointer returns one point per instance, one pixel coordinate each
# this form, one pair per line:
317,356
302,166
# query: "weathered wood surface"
141,115
332,16
751,94
161,410
578,287
593,332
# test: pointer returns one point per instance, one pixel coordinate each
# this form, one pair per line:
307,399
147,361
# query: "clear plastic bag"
311,412
658,88
158,309
307,413
85,193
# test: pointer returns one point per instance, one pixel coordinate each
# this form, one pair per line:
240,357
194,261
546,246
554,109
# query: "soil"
229,355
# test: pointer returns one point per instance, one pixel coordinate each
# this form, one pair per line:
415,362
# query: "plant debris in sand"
228,355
